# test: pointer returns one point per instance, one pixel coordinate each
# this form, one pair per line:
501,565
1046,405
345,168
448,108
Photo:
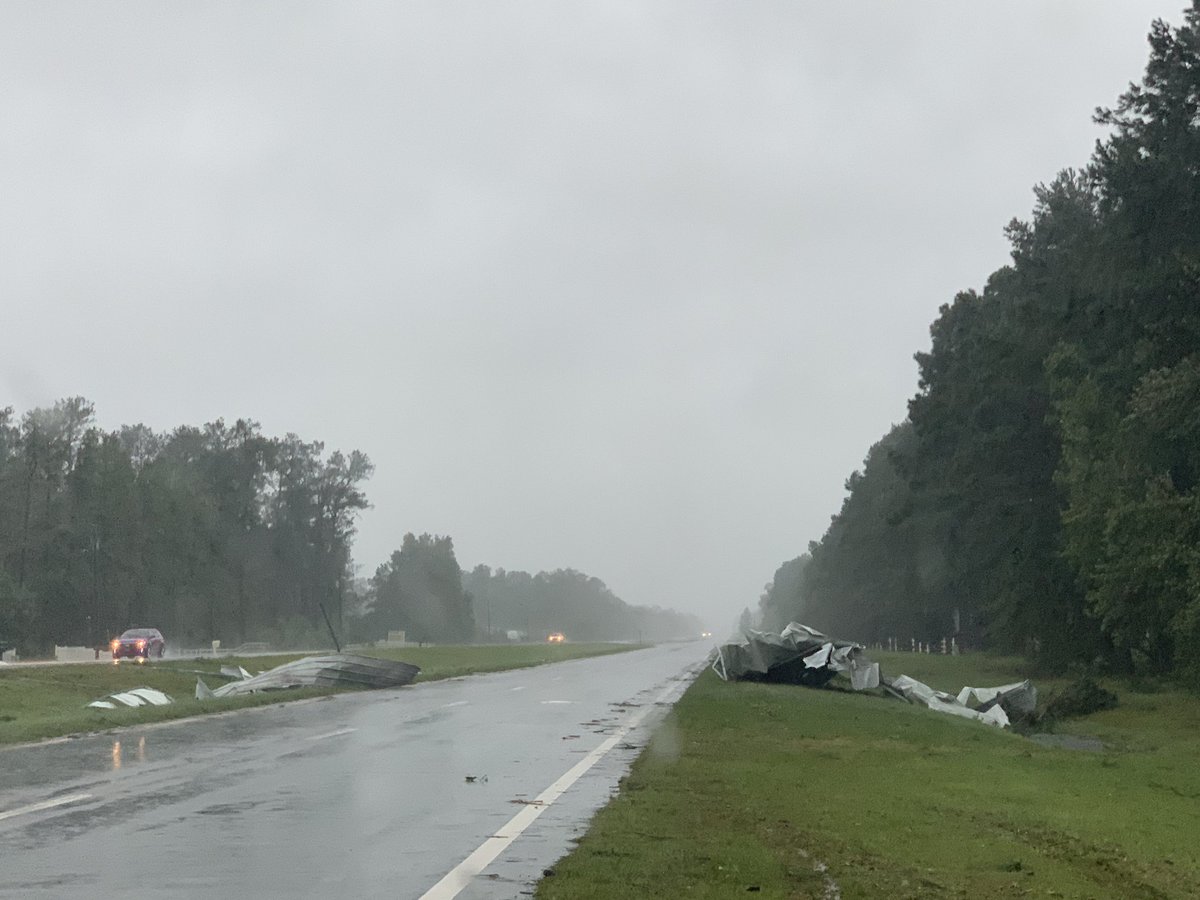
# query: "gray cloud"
627,287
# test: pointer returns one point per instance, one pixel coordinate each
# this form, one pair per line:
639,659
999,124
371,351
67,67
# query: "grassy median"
787,791
39,702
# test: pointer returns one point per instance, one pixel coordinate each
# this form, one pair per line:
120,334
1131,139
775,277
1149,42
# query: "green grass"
751,786
51,701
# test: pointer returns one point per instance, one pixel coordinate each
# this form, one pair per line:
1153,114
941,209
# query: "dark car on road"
140,644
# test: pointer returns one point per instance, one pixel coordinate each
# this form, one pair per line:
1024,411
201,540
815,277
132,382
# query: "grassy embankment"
753,787
50,701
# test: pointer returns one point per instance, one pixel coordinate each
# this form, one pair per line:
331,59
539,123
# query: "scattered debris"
797,655
525,802
337,669
143,696
802,655
570,737
1018,700
476,779
991,705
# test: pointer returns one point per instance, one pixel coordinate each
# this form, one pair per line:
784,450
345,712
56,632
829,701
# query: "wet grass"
753,788
38,702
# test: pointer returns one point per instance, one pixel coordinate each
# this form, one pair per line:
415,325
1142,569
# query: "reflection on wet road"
374,795
139,751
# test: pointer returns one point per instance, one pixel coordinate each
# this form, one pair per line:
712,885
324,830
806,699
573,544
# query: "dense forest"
211,532
221,532
1043,493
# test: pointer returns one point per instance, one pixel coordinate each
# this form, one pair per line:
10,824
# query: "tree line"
580,606
210,532
422,591
1043,493
222,532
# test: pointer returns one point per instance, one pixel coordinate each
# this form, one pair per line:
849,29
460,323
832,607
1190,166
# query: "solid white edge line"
464,873
45,804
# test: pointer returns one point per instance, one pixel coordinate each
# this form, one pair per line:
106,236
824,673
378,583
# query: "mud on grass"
39,702
752,788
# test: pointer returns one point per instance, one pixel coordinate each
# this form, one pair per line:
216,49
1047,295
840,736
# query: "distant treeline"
422,591
1043,494
567,601
221,532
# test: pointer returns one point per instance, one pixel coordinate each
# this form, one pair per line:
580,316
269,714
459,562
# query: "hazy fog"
624,287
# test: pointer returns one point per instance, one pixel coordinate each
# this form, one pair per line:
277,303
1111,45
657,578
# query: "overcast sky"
624,287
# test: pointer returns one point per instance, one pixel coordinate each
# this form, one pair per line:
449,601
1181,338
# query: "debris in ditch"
143,696
336,669
995,706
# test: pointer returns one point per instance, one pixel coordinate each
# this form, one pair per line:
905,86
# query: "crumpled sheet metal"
143,696
335,669
990,705
802,655
797,655
1020,697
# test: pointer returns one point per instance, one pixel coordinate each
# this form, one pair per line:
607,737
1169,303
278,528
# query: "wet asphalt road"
362,795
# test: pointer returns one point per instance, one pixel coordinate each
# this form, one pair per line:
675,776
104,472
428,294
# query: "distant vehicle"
140,644
556,637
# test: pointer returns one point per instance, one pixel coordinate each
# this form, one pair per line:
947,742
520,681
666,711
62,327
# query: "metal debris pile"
803,655
798,655
343,669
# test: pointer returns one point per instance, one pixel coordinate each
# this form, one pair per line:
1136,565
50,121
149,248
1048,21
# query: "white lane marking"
45,804
519,687
462,875
554,702
338,733
455,703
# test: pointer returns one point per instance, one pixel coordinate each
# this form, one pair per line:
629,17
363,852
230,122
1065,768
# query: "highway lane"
362,794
